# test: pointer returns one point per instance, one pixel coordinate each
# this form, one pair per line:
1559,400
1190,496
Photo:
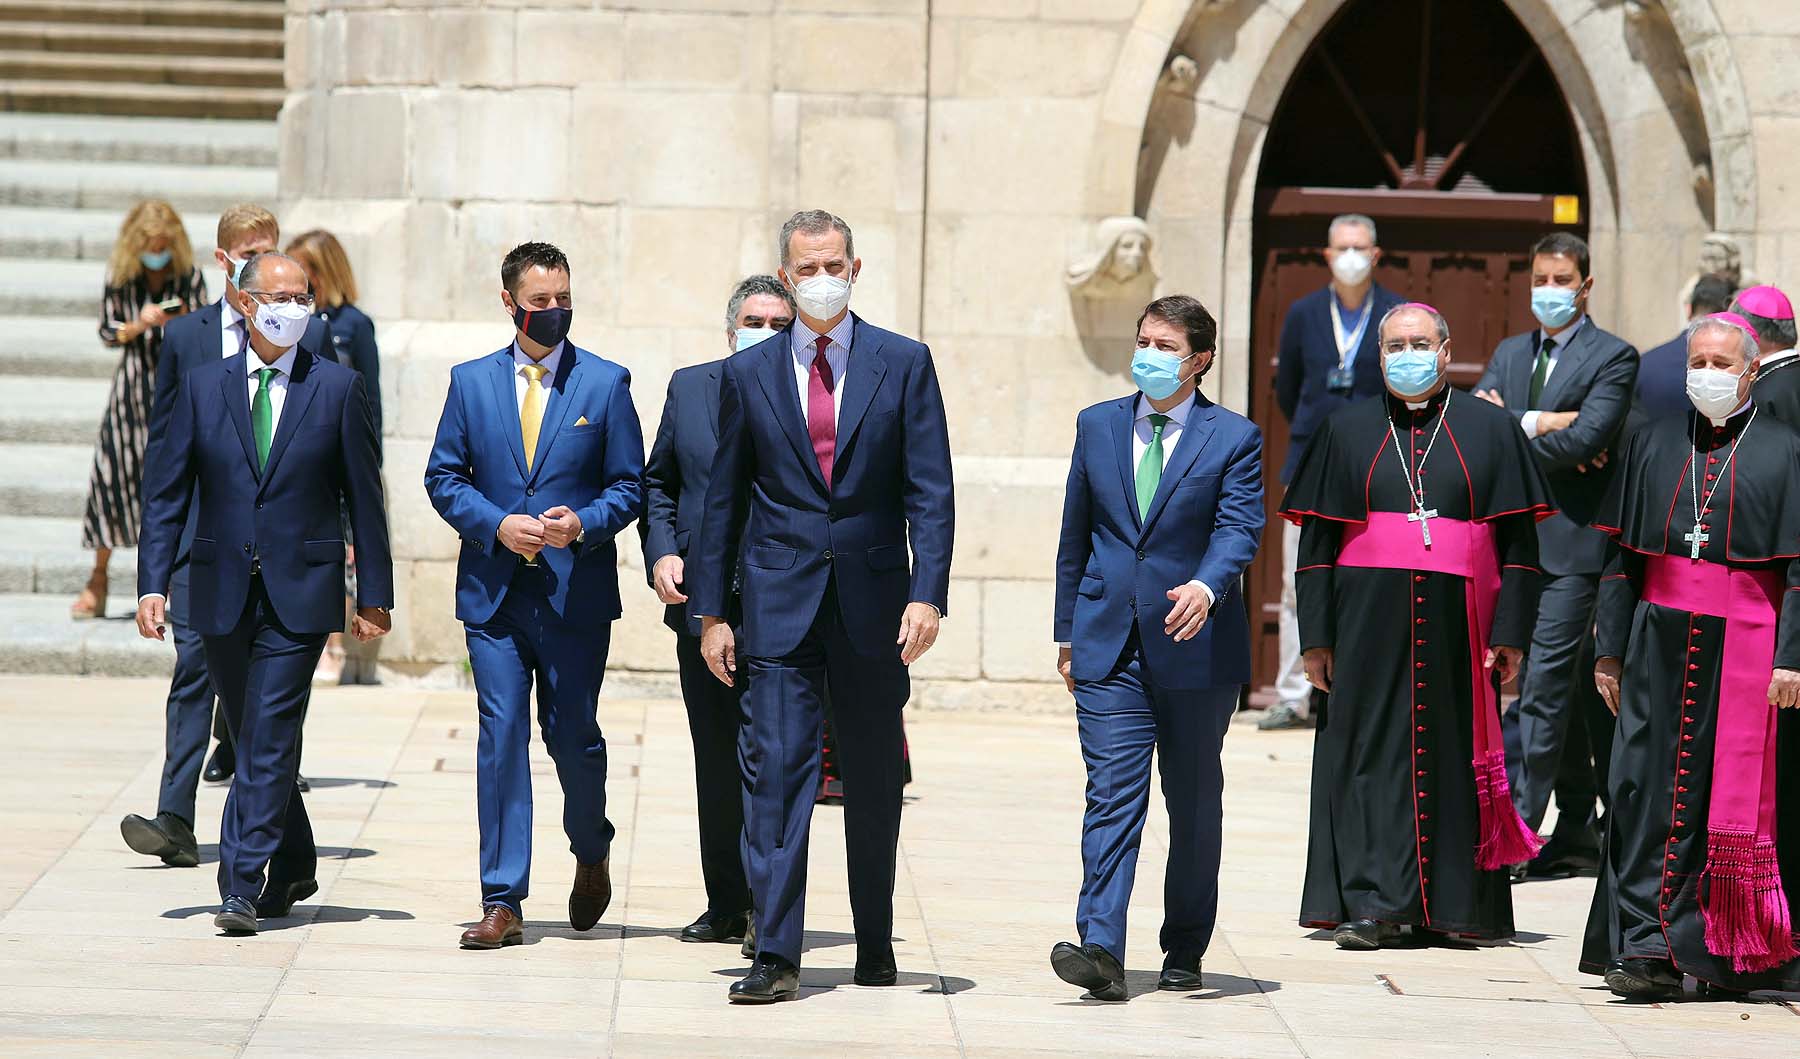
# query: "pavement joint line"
937,965
54,863
637,796
1256,980
1574,991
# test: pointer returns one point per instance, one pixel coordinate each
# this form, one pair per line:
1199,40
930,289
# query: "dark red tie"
821,413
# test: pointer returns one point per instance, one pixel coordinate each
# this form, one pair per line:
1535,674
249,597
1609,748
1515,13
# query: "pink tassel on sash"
1745,909
1505,840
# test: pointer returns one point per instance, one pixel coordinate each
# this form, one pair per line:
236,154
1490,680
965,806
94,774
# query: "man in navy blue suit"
1162,515
834,455
537,465
271,446
675,481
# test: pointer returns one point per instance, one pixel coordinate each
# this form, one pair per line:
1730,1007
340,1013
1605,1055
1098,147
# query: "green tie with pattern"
1150,468
262,417
1540,371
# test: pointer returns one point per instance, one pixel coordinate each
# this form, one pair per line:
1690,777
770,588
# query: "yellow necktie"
531,417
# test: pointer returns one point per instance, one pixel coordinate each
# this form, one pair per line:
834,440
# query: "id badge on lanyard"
1342,379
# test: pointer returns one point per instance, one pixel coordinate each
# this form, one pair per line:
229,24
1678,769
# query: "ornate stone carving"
1180,76
1720,255
1117,263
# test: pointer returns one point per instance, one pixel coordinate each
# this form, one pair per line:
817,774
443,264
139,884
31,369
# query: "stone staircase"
65,183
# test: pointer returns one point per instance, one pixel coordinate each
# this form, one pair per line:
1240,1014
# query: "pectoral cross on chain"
1423,517
1695,539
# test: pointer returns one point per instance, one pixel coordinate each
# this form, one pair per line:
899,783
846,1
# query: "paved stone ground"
103,953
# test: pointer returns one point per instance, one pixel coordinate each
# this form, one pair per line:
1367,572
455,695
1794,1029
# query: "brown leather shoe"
590,895
498,927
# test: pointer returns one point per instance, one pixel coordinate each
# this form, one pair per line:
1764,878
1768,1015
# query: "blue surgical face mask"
750,336
158,261
1156,373
1411,372
1553,306
236,269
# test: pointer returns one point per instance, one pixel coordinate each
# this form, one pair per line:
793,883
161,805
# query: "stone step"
27,65
87,235
119,186
53,411
123,39
236,13
48,481
51,288
104,138
55,346
44,556
38,636
162,101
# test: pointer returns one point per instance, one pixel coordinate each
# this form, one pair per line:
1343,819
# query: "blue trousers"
524,644
1121,720
263,674
189,711
715,722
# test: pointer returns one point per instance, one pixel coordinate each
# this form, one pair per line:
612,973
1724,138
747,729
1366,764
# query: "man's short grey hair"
253,269
1353,218
1781,333
1747,339
749,288
815,222
1437,319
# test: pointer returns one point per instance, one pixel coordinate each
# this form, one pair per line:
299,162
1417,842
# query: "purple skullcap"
1734,319
1767,302
1419,305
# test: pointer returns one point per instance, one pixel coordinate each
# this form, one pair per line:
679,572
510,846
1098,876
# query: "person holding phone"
150,278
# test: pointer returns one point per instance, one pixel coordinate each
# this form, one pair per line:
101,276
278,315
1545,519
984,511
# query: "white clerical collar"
1779,356
1740,410
550,361
1177,415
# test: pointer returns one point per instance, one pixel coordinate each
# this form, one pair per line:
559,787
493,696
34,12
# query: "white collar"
1177,415
1778,356
228,312
283,364
550,361
1738,411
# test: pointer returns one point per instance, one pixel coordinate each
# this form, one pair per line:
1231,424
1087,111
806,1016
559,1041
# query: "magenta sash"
1745,908
1387,541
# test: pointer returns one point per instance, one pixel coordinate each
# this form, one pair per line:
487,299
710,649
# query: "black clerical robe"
1396,816
1777,390
1657,881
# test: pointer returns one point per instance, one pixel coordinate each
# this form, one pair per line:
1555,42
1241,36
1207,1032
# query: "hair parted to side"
1747,339
815,222
1437,320
1564,244
148,221
1355,219
244,221
1185,312
526,256
750,287
334,284
1713,293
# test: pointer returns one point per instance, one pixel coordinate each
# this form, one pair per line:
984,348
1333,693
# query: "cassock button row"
1418,643
1418,599
1418,579
1694,650
1710,460
1687,702
1692,666
1687,720
1418,665
1681,790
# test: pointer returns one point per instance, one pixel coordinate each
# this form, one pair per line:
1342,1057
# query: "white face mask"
822,296
1713,392
1351,267
750,336
282,325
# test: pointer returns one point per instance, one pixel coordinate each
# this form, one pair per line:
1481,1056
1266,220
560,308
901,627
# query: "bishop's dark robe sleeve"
1620,587
1314,567
1520,580
1787,631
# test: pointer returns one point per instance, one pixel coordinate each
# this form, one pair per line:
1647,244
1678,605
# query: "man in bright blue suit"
1162,515
272,445
537,466
833,456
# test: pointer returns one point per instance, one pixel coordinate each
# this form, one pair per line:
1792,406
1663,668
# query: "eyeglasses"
305,301
1417,345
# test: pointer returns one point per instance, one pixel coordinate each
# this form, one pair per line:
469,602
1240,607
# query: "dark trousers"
715,716
786,700
524,644
263,673
189,711
1553,695
1122,720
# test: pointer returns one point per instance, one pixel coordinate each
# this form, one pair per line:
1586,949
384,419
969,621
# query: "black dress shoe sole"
482,946
143,836
235,923
1076,968
297,892
1354,942
765,998
1632,987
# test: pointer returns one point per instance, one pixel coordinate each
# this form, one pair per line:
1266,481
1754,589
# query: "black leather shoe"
748,949
221,765
168,837
771,979
278,899
1090,967
590,894
875,970
1180,973
716,926
1565,856
1364,935
1642,978
236,916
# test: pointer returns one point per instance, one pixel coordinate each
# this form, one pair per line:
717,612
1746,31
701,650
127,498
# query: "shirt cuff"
1065,645
1529,422
1211,597
152,595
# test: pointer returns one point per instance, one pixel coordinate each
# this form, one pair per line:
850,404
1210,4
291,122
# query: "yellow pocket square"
582,422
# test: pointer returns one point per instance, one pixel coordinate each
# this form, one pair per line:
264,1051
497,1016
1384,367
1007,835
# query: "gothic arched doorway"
1443,123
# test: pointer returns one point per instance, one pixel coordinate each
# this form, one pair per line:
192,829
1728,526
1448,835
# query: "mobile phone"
172,305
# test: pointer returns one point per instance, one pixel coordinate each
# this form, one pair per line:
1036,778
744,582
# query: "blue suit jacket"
1113,568
1662,379
891,486
1309,354
288,518
590,459
676,477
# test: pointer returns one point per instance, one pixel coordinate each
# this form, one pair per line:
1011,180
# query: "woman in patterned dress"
150,278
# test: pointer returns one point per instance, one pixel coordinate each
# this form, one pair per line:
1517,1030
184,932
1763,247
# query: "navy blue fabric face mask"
546,327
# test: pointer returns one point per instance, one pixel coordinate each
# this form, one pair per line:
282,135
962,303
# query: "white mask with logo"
282,325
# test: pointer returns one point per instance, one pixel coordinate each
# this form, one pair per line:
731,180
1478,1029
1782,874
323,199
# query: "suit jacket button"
1140,557
828,553
530,492
246,548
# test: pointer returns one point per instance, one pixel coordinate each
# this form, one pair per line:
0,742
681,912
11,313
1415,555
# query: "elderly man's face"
276,280
1414,330
813,253
1722,349
758,310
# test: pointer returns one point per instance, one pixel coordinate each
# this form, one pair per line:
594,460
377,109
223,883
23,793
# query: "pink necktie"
821,414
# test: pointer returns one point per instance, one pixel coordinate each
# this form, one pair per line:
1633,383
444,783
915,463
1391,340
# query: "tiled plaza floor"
106,953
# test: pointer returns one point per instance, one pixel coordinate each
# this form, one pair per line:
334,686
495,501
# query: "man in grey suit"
1571,385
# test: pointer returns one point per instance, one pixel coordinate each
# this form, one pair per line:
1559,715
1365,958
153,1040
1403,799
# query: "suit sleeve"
929,491
1602,418
364,499
1237,522
447,479
1621,585
162,397
1492,375
366,359
168,490
1075,544
662,489
1521,578
1315,568
621,496
708,578
1787,630
1290,367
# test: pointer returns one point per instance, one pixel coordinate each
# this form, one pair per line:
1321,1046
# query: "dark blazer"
287,519
1596,376
590,458
892,486
1113,568
1662,379
1309,354
675,479
353,343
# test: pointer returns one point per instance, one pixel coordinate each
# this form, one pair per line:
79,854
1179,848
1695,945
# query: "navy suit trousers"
189,712
715,716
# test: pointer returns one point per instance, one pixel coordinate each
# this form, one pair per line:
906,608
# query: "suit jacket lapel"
236,395
1522,368
300,391
1123,421
776,377
863,372
506,404
1194,433
563,390
711,390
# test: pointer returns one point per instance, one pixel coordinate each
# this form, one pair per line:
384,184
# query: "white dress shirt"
232,329
837,354
522,380
1559,342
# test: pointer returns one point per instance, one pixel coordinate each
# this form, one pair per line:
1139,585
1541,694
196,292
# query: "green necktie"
1150,468
262,417
1539,372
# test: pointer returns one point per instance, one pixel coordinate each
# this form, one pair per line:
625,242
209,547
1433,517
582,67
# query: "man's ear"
855,269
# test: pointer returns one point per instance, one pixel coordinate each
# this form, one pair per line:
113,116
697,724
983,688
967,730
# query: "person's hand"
1065,666
350,555
1189,613
151,617
918,631
1784,688
1491,398
370,623
1504,661
152,315
718,646
1551,422
1606,681
1318,664
561,526
522,535
1600,460
666,576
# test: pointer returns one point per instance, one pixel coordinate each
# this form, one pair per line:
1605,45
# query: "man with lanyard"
1328,359
1771,316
